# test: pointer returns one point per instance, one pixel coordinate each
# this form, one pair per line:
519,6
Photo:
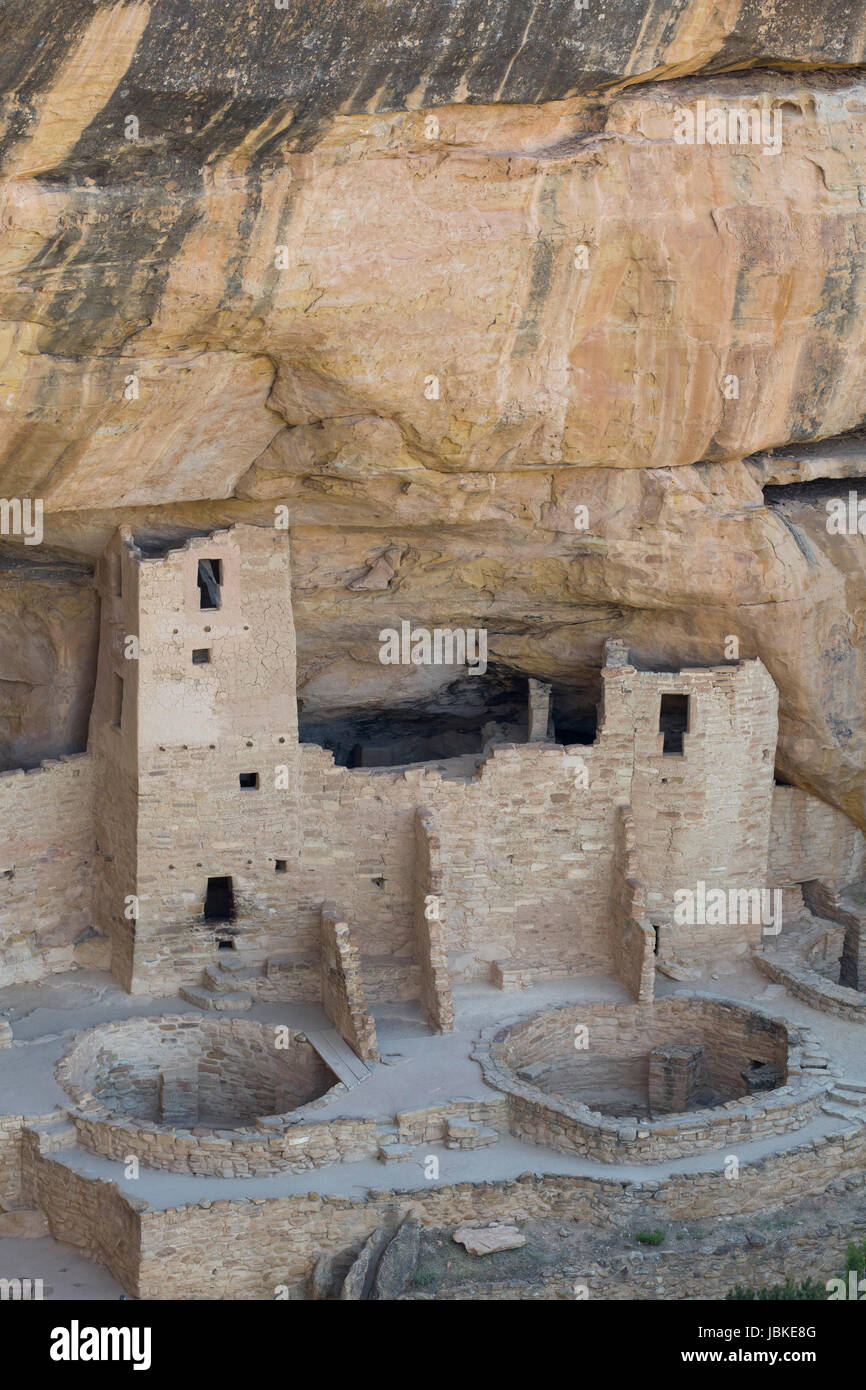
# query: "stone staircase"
218,989
221,990
469,1134
459,1133
847,1101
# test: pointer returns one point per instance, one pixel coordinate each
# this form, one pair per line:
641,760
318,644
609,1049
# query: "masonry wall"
113,745
435,993
704,814
632,936
281,1239
343,997
526,854
811,840
86,1212
46,853
527,847
190,732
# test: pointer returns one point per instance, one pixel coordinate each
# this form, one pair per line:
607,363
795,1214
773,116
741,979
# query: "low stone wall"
247,1249
11,1127
297,979
806,984
729,1034
93,1215
428,1126
343,997
294,1147
234,1051
251,1248
238,1069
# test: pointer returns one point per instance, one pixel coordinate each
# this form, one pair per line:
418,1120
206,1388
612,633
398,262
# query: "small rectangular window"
673,722
209,583
280,866
201,656
117,700
249,779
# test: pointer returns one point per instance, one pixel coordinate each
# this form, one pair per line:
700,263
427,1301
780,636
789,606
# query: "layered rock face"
451,284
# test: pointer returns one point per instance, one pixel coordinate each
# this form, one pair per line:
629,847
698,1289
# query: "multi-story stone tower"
194,732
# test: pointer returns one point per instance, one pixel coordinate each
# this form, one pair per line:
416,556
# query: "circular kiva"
217,1097
624,1083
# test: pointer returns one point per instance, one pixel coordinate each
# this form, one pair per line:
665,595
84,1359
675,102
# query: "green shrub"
424,1275
650,1237
807,1289
789,1292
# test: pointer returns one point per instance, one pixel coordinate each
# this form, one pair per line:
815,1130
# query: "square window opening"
201,656
210,578
280,866
673,722
248,779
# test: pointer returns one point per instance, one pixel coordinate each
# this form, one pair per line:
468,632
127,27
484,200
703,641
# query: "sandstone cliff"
239,242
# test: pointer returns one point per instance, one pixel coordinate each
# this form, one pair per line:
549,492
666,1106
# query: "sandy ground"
64,1271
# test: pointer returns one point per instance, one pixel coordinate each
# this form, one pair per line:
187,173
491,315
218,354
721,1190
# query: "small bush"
789,1292
650,1237
423,1276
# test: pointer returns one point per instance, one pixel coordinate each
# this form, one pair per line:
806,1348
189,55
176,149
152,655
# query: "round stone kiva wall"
180,1071
641,1082
223,1097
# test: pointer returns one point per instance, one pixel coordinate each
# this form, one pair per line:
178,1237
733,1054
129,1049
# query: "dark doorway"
575,711
673,722
219,901
209,581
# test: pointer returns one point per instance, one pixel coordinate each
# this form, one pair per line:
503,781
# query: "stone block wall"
282,1238
677,1074
526,852
89,1213
46,860
539,710
703,814
191,735
530,862
429,935
11,1128
191,1252
632,936
239,1069
732,1036
343,997
811,840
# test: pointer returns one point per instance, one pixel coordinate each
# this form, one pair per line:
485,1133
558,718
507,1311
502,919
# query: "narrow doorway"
219,900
